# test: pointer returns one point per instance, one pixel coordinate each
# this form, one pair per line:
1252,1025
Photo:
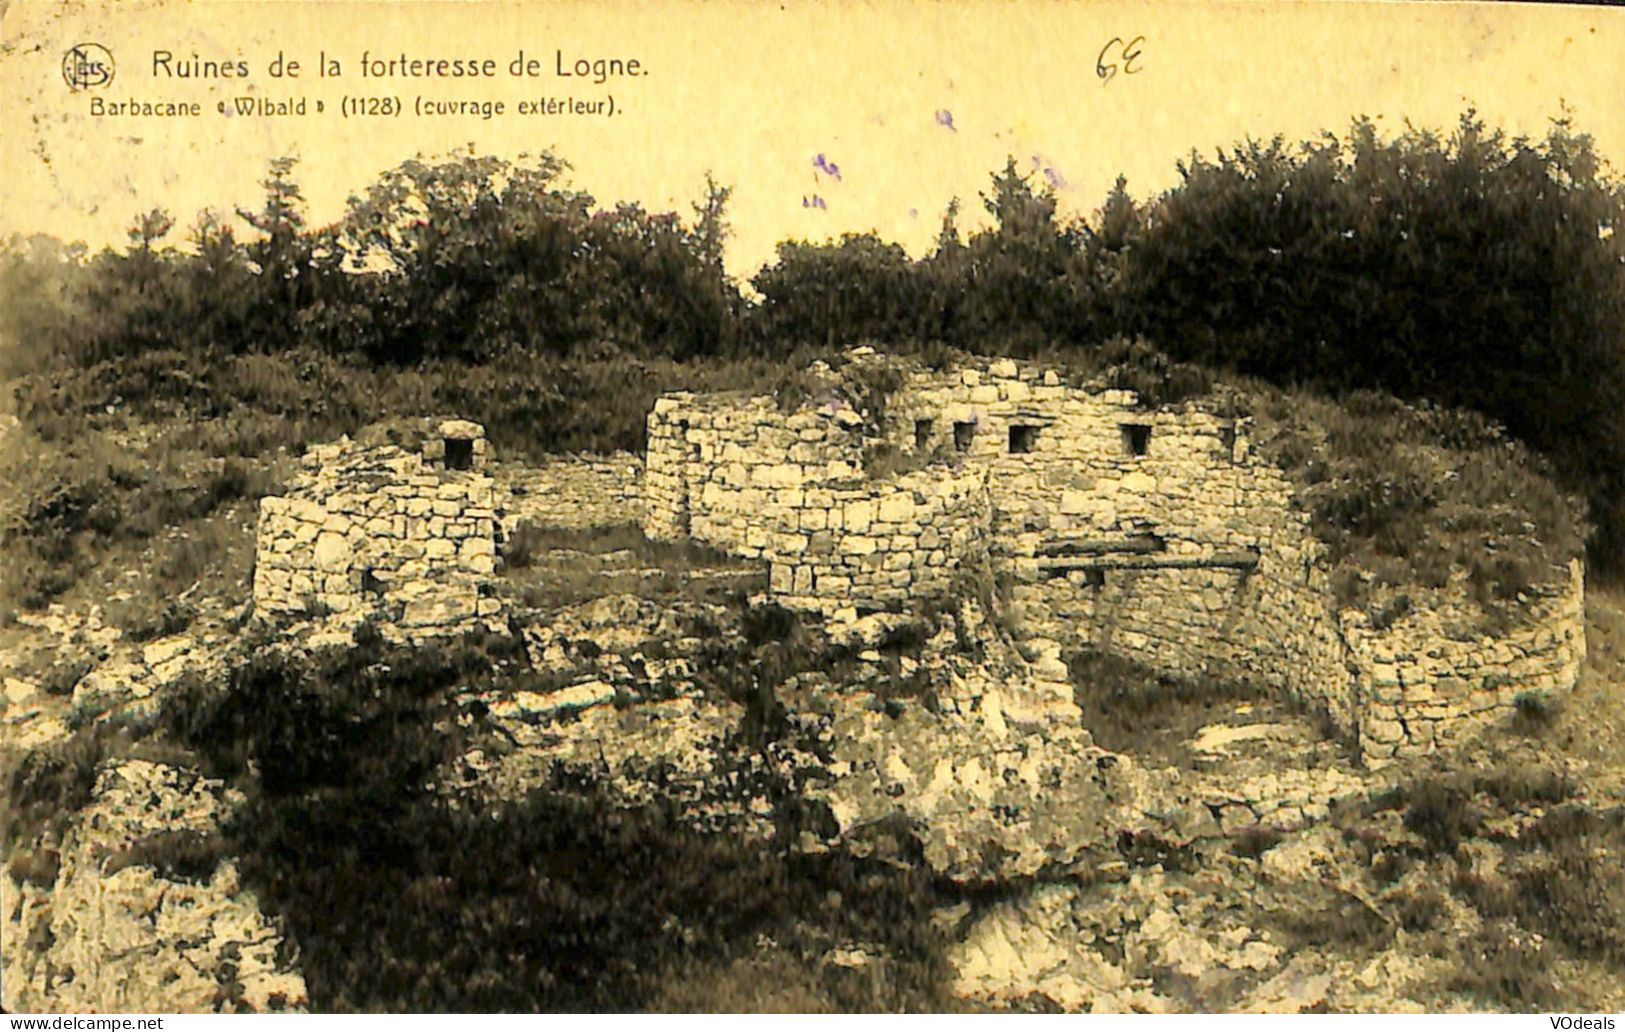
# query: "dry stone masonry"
407,537
739,475
1155,533
1430,678
574,492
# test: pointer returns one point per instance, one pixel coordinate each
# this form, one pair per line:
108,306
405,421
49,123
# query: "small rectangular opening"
964,433
922,433
370,584
1022,438
691,449
459,453
1227,443
1136,438
1085,578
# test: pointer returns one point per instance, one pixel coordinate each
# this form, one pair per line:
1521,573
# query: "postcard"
861,507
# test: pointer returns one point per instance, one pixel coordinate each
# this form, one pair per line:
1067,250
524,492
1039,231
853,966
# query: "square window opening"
370,583
1136,438
1022,439
459,453
964,433
922,433
1094,578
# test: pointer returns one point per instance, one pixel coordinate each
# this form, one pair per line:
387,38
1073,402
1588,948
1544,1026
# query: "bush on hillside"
1407,495
1479,272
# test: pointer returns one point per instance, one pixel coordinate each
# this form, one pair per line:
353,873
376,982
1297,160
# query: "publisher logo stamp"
87,66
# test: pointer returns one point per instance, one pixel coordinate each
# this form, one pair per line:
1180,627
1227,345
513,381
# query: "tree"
858,289
41,295
1026,280
1476,270
484,258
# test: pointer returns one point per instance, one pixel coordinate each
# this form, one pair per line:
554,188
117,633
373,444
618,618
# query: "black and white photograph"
893,507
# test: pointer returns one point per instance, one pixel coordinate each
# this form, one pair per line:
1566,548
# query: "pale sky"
911,103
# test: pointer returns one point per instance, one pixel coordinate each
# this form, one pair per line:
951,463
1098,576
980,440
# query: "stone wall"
879,545
381,531
1159,534
1156,534
1429,680
789,489
574,492
721,468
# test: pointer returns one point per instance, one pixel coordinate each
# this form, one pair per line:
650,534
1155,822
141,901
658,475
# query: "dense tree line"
470,259
1474,269
1478,271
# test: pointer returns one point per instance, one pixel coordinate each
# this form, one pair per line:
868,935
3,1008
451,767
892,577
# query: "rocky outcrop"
133,908
614,701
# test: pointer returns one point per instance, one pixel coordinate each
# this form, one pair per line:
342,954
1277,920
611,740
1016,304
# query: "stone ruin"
1158,534
407,538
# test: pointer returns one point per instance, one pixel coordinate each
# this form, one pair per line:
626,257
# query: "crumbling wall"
789,489
574,492
723,469
878,545
1155,534
1431,678
381,531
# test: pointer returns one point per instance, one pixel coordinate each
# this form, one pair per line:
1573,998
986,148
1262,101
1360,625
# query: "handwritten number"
1127,53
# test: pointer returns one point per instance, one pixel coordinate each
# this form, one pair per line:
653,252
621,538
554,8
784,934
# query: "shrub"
1478,271
1567,885
523,545
45,787
1406,495
1506,966
1534,709
1442,814
179,855
1130,707
64,675
173,617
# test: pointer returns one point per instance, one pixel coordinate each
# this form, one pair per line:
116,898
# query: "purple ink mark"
914,213
1051,174
814,201
828,167
946,118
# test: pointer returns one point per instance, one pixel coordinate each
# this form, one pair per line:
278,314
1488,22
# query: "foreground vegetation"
403,899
